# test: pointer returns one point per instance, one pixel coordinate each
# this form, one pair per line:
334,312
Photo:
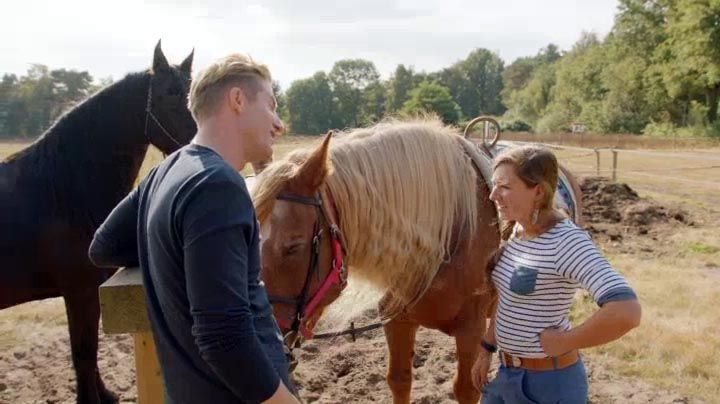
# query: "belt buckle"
516,362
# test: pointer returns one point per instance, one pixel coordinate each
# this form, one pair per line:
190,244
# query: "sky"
294,38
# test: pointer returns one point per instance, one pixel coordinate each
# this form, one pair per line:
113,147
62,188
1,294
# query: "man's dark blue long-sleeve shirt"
191,227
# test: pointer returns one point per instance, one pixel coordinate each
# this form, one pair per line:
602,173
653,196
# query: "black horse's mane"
92,153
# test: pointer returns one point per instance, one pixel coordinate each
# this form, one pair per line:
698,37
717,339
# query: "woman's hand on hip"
555,342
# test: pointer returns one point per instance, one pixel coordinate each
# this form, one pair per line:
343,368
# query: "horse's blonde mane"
400,189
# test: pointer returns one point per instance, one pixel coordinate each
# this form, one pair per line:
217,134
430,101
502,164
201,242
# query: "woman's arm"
481,367
612,321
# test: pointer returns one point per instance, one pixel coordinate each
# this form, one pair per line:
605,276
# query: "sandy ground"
35,362
38,370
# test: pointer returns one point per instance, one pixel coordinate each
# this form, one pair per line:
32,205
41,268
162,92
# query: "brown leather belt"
550,363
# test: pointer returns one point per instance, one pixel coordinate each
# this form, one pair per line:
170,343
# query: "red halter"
305,307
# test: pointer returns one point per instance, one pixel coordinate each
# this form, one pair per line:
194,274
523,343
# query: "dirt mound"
614,209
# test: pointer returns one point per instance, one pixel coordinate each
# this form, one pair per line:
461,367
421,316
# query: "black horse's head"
169,123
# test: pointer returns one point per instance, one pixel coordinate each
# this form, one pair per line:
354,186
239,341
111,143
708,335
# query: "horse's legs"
83,311
471,328
400,336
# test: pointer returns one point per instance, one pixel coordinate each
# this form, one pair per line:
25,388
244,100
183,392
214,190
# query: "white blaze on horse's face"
265,233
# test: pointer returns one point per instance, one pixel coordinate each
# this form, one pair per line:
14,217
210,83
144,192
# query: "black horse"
55,193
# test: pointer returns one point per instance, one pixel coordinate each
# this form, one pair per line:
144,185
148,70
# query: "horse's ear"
317,167
159,61
186,65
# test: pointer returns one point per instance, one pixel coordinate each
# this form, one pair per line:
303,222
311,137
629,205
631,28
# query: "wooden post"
124,311
614,174
147,368
597,161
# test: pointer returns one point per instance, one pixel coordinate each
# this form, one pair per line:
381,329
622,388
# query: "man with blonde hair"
191,227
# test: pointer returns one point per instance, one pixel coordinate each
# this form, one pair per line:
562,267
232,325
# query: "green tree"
579,89
432,97
375,96
528,83
348,79
12,108
530,102
400,84
29,104
476,83
68,88
691,51
36,91
310,108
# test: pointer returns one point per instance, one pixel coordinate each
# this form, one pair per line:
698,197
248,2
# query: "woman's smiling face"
514,199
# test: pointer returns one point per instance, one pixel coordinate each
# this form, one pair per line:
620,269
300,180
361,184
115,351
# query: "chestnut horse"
402,206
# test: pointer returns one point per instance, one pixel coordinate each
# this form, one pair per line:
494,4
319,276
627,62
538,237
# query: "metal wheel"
490,130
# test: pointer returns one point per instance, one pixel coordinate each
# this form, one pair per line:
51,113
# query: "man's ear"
237,100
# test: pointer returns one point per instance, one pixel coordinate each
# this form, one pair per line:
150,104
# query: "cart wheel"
490,130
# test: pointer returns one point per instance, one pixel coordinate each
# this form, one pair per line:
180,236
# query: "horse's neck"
96,150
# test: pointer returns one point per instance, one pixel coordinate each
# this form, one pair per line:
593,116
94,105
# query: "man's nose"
278,126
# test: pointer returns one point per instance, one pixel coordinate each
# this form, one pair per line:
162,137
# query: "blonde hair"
400,188
534,165
235,69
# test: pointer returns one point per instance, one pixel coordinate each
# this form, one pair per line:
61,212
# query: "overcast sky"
295,38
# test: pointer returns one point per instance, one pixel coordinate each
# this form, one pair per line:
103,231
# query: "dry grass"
621,141
688,177
678,344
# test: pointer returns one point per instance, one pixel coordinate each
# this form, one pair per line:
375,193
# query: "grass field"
676,276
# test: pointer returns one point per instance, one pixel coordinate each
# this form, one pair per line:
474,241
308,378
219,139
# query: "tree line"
657,72
30,103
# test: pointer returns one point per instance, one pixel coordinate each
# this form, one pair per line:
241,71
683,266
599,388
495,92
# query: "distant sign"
578,127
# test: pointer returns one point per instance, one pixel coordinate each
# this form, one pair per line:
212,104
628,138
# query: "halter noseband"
149,114
305,307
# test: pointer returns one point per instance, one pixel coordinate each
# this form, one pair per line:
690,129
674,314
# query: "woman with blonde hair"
537,272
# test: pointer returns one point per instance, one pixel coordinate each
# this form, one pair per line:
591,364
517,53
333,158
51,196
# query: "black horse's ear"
159,61
186,65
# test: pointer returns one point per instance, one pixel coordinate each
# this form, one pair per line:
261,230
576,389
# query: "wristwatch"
488,346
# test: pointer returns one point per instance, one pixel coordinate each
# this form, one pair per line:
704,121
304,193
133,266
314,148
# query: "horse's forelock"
271,182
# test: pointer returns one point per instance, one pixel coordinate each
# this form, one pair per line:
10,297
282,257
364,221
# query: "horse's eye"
293,249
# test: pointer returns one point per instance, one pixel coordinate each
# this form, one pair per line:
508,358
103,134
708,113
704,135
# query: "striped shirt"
537,279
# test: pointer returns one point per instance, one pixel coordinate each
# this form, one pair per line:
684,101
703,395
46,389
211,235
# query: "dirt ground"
35,362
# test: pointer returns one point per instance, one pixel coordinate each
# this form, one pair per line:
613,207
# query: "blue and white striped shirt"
537,279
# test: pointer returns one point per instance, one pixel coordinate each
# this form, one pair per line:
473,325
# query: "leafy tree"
691,51
400,84
432,97
375,98
348,79
475,83
310,108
